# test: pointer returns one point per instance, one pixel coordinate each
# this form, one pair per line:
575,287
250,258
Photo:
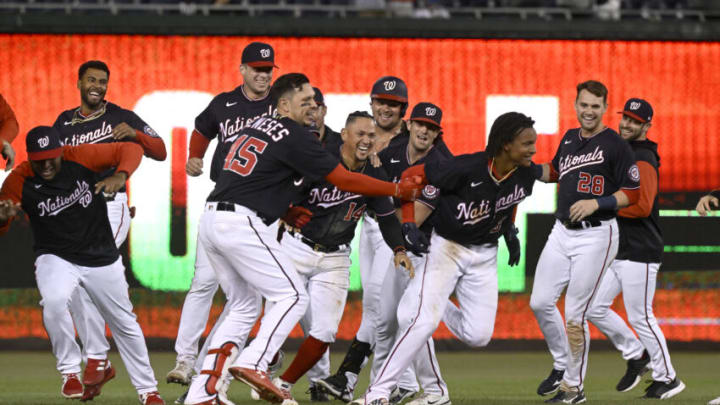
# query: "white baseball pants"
469,271
576,259
248,262
424,367
89,324
637,283
57,279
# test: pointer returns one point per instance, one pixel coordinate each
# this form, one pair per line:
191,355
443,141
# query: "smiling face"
422,135
386,113
522,149
632,129
590,110
358,139
93,86
47,168
256,80
299,105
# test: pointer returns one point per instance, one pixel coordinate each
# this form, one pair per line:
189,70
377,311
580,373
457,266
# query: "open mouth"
95,95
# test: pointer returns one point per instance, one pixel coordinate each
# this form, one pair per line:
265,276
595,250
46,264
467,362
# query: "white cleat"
715,401
181,374
430,399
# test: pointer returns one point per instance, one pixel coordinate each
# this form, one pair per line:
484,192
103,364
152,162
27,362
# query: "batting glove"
513,244
415,240
297,217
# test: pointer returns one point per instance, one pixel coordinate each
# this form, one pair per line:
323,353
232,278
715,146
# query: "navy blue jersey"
641,238
331,140
473,208
226,115
592,167
336,212
267,162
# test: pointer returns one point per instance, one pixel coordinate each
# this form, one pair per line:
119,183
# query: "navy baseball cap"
319,99
258,54
427,112
638,109
390,88
43,143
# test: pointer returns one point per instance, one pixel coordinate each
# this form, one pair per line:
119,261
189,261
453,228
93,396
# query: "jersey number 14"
243,155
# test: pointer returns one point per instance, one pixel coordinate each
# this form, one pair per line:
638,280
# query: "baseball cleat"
181,399
223,389
399,394
359,401
71,388
635,370
336,386
92,391
95,371
273,369
379,401
664,390
151,398
181,374
317,394
430,399
715,401
551,384
260,382
567,397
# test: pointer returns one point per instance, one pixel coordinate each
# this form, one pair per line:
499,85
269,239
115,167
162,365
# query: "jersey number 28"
591,184
243,155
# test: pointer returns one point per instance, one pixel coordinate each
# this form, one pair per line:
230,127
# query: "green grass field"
475,378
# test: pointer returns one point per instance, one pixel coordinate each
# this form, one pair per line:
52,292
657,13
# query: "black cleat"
400,394
664,390
634,373
551,384
567,397
336,386
181,398
317,394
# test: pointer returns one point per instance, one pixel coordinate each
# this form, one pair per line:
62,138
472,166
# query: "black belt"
317,247
590,223
109,197
228,206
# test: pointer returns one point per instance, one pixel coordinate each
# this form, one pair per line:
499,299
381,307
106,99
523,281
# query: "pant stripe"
432,364
122,218
582,318
297,293
647,320
407,332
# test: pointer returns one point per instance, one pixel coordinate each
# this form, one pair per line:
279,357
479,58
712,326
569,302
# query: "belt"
317,247
591,223
231,207
109,196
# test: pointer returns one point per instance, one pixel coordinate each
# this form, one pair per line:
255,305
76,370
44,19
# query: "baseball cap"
258,54
390,88
43,143
427,112
638,109
319,99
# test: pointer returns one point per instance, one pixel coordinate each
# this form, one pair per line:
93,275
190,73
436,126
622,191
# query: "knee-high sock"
309,353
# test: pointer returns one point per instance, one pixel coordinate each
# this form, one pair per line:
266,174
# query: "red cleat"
151,398
91,391
95,371
260,382
72,388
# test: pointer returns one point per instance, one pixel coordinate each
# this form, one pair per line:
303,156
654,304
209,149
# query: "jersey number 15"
243,155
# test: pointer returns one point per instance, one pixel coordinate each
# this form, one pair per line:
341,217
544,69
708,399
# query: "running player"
597,174
634,270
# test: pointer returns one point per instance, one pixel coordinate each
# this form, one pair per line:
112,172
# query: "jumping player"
58,189
226,115
239,232
634,270
95,121
321,249
478,193
596,172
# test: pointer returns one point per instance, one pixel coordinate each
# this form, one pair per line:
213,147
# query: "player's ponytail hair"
285,84
505,129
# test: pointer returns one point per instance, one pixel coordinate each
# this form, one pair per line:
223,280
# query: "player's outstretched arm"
123,156
706,204
153,146
198,145
407,189
547,173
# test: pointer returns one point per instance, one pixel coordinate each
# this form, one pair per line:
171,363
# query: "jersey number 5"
591,184
243,155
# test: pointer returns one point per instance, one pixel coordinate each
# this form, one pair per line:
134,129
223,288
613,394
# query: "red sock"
309,353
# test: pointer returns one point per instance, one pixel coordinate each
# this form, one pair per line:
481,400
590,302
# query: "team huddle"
276,230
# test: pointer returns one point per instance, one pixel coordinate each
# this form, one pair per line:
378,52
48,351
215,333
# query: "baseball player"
329,138
478,193
99,121
634,270
8,132
321,250
238,229
596,172
58,189
226,115
418,148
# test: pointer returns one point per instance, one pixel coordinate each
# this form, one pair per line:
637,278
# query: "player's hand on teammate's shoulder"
194,166
111,184
402,260
375,160
123,131
9,154
583,209
706,204
8,209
